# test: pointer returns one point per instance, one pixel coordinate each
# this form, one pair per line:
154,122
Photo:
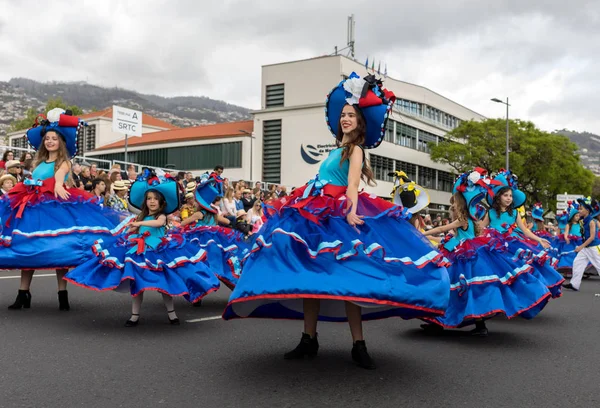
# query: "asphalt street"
87,358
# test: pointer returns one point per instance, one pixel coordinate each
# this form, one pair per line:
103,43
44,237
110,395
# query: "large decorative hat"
207,190
537,212
562,219
155,181
572,210
408,194
592,206
473,185
59,121
505,178
374,101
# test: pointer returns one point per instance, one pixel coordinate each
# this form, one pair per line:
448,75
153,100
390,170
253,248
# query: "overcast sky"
543,54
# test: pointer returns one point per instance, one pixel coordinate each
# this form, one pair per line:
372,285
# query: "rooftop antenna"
351,26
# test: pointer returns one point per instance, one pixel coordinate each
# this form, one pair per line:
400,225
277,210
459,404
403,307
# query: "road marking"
42,275
203,319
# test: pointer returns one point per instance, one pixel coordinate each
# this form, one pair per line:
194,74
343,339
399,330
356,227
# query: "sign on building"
127,121
563,199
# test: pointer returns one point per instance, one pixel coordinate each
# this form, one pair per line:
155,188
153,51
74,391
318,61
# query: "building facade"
291,138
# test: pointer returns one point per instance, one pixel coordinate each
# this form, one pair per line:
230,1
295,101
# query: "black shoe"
360,355
173,321
131,323
309,346
569,286
63,300
479,330
432,328
197,304
23,300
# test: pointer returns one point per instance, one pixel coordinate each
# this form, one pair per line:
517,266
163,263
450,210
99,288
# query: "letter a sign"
127,121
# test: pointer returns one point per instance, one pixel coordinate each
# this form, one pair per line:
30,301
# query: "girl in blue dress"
484,279
147,257
503,221
45,222
224,246
571,239
329,252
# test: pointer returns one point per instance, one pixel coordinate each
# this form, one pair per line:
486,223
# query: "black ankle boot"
480,329
23,300
63,300
360,355
308,347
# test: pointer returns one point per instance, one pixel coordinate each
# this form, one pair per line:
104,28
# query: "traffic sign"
562,205
568,197
127,121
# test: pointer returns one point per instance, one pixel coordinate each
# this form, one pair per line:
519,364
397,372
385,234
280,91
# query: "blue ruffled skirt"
224,249
307,250
486,281
38,231
175,268
566,252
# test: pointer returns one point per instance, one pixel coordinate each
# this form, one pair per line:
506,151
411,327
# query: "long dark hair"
461,210
496,203
62,155
356,138
162,205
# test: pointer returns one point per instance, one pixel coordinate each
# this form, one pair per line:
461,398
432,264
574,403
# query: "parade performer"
224,246
484,279
570,239
539,228
329,252
46,223
503,220
589,250
146,257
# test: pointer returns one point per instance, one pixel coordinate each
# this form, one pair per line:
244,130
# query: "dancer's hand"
354,219
579,248
545,244
59,191
568,241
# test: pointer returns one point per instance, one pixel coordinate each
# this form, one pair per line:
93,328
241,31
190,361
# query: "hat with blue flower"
60,121
506,178
473,185
374,102
537,212
159,182
408,194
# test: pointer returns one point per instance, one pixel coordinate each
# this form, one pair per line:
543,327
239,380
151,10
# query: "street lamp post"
507,133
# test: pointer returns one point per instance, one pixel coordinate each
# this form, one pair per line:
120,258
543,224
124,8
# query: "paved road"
86,358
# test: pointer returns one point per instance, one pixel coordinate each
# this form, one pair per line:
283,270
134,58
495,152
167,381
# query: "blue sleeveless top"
156,233
586,231
331,170
209,220
575,229
461,235
44,171
503,222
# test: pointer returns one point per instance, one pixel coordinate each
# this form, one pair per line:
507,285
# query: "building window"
19,142
409,168
445,181
424,139
274,95
389,131
406,135
381,166
272,151
86,139
427,177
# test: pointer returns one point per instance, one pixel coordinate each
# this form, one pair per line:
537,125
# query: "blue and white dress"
148,260
307,249
566,252
40,231
485,281
503,227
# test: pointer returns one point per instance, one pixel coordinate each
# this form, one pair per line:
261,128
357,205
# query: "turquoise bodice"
575,229
44,171
209,220
156,233
331,170
461,235
503,222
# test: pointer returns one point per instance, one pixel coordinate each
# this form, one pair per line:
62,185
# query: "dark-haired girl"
329,252
146,257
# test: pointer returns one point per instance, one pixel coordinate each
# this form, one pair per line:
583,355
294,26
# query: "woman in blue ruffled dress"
45,222
147,257
224,246
329,252
503,222
484,278
570,239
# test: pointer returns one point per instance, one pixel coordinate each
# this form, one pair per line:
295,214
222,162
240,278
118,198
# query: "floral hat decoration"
374,101
506,178
60,121
592,206
474,185
157,181
572,210
408,194
537,212
209,188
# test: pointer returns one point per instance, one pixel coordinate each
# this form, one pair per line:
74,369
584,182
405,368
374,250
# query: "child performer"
46,222
484,279
146,258
570,239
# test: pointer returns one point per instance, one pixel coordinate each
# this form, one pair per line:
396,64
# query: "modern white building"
291,138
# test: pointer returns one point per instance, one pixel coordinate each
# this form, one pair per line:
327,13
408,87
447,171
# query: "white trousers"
585,256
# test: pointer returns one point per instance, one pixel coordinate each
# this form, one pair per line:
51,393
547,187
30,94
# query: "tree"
596,187
546,163
31,113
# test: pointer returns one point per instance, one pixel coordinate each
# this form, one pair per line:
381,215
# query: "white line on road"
42,275
202,319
